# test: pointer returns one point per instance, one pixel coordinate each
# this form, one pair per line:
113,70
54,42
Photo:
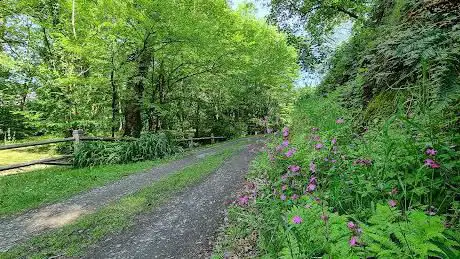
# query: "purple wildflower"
311,187
294,197
283,197
297,220
285,143
333,141
312,167
243,200
431,163
431,152
392,203
285,132
351,225
325,217
319,146
353,241
284,187
294,168
340,121
333,161
316,138
290,152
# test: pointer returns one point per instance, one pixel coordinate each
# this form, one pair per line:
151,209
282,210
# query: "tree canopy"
131,66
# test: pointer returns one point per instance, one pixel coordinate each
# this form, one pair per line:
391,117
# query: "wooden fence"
77,137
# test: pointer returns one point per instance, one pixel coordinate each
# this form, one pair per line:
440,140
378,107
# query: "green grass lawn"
20,192
9,157
73,239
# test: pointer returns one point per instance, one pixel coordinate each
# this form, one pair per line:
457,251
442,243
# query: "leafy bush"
147,147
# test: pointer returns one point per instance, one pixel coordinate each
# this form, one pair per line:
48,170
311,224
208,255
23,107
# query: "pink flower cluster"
291,152
294,168
430,162
285,132
319,146
243,200
297,220
312,184
392,203
356,232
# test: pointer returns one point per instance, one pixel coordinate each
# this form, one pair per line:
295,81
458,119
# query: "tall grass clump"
147,147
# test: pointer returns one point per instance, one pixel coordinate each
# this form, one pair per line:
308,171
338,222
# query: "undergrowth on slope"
324,189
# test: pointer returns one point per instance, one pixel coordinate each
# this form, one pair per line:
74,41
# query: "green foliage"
406,56
147,147
310,24
127,68
393,235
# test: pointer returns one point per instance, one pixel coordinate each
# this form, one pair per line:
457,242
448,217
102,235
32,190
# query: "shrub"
147,147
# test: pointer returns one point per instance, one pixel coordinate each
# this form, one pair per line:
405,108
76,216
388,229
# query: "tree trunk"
133,111
114,102
151,112
197,119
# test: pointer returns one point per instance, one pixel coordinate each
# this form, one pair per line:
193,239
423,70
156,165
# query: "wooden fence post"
76,134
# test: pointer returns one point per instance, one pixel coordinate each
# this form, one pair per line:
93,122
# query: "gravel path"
14,230
184,226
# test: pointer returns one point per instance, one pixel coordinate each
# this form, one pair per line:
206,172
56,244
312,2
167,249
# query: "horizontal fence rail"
77,137
38,143
45,161
203,138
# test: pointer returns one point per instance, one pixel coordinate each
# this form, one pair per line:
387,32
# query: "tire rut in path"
18,228
184,226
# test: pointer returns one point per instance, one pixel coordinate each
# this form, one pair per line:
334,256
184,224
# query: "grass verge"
21,192
72,240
